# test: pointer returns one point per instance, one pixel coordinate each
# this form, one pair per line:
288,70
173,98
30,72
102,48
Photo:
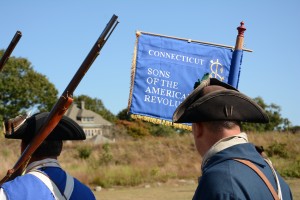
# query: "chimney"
82,105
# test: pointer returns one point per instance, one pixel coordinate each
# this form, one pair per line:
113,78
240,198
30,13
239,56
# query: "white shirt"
2,194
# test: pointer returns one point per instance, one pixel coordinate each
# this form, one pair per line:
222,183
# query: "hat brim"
67,129
227,105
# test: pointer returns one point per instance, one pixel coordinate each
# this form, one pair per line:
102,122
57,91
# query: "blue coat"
224,178
29,187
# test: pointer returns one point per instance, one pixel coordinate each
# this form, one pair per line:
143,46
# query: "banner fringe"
132,72
161,121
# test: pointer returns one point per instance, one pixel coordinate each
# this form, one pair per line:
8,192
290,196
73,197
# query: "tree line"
23,89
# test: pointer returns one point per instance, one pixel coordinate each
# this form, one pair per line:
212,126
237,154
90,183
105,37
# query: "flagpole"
240,37
236,61
138,33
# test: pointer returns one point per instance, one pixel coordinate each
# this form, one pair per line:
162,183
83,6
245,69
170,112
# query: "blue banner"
165,70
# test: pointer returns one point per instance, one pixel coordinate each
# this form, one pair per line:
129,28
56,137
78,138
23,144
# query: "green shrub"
154,172
84,152
106,156
277,149
120,176
292,170
136,129
161,130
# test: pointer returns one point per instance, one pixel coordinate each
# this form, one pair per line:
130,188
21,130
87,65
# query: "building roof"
77,114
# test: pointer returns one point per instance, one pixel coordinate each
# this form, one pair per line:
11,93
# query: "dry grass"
150,160
134,162
175,190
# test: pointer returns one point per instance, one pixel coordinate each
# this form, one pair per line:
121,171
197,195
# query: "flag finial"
241,29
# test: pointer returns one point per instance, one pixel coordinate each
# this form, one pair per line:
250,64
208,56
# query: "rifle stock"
63,102
9,49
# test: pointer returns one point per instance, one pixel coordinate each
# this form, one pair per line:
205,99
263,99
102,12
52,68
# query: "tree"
152,129
123,115
295,129
96,106
22,88
287,125
276,123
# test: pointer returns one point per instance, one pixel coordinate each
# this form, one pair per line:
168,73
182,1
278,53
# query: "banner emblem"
215,67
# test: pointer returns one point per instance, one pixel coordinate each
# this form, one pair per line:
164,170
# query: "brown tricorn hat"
25,128
214,100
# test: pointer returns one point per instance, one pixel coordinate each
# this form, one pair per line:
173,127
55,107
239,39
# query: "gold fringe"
133,68
161,121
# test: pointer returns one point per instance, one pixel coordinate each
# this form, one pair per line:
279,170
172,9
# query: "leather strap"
261,175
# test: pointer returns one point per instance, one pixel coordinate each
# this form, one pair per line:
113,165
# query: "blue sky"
57,36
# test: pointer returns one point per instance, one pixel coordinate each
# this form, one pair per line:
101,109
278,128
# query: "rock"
98,188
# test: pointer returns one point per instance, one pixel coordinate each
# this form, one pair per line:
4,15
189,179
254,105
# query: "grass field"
176,190
154,167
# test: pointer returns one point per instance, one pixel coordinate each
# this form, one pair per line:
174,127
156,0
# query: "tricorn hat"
214,100
25,128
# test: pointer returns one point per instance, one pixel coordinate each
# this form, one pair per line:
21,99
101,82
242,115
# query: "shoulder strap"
52,186
47,181
69,186
261,175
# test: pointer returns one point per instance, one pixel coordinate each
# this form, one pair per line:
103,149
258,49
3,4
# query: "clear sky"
57,36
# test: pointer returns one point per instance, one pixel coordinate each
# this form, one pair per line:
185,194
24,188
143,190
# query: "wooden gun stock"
63,102
10,49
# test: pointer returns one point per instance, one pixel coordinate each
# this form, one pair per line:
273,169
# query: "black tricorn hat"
25,128
214,100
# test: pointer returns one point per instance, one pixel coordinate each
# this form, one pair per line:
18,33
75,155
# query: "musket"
63,102
10,48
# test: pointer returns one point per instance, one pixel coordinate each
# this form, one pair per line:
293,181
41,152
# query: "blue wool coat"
29,187
226,179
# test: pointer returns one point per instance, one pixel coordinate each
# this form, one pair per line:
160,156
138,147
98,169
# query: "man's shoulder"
82,190
21,180
218,171
25,187
59,176
225,172
26,181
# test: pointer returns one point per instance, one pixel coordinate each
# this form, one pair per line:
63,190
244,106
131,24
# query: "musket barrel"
10,49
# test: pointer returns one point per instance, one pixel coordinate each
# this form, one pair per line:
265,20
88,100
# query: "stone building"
92,123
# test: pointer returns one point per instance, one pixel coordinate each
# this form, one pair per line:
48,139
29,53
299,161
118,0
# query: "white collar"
48,162
223,144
